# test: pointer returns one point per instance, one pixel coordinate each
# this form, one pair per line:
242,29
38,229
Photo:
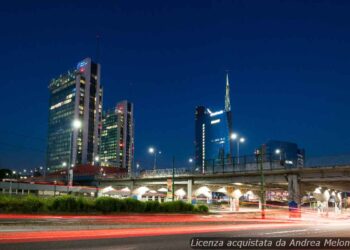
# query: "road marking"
290,231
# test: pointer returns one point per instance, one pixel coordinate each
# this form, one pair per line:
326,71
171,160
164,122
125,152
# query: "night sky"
288,63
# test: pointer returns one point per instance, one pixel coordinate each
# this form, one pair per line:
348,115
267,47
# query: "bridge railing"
244,164
165,172
228,165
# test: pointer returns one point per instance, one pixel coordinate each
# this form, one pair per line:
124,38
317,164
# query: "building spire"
227,96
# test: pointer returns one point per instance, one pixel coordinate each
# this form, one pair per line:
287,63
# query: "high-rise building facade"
212,133
288,153
75,96
117,139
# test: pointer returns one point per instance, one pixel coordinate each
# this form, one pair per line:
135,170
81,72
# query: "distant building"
287,152
74,96
117,139
212,133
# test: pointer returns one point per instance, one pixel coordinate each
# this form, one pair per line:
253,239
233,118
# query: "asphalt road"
182,241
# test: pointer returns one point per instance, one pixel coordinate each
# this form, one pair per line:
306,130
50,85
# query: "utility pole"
173,180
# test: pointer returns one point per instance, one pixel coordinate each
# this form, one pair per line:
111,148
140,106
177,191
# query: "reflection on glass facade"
117,140
76,95
287,152
212,133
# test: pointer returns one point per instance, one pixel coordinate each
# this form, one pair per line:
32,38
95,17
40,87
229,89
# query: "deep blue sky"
288,61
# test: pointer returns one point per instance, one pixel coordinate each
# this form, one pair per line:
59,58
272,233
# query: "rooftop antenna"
227,95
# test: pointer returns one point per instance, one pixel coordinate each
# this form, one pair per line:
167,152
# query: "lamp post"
278,152
239,140
54,191
97,159
153,151
259,160
76,124
173,181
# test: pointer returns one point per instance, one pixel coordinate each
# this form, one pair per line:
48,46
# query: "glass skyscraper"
75,95
287,152
212,133
117,139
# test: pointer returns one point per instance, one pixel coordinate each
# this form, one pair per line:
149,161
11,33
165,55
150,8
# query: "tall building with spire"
227,95
212,134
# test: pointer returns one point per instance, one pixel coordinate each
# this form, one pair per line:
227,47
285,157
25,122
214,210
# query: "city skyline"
271,97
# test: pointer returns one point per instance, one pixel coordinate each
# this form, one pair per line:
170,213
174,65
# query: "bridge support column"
131,186
294,189
189,190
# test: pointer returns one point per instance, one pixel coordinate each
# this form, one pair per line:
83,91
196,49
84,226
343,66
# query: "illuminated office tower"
212,133
75,96
117,139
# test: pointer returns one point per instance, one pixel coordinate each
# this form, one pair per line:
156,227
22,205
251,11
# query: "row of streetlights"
239,140
153,151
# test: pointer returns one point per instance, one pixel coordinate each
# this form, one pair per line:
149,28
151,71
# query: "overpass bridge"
238,179
232,179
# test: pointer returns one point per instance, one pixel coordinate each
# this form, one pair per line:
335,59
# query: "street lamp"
190,160
239,140
97,159
259,161
282,156
278,152
76,124
153,151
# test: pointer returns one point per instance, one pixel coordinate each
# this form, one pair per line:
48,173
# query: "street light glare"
277,151
97,158
64,164
242,139
151,150
76,124
234,136
190,160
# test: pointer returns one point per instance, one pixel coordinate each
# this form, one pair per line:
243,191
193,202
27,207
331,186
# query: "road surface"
154,231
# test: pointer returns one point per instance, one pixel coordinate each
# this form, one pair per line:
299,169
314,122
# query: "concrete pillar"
189,190
260,204
294,189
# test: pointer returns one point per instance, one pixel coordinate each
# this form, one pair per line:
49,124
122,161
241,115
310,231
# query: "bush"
201,209
86,205
133,205
176,206
106,204
65,204
152,206
33,204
